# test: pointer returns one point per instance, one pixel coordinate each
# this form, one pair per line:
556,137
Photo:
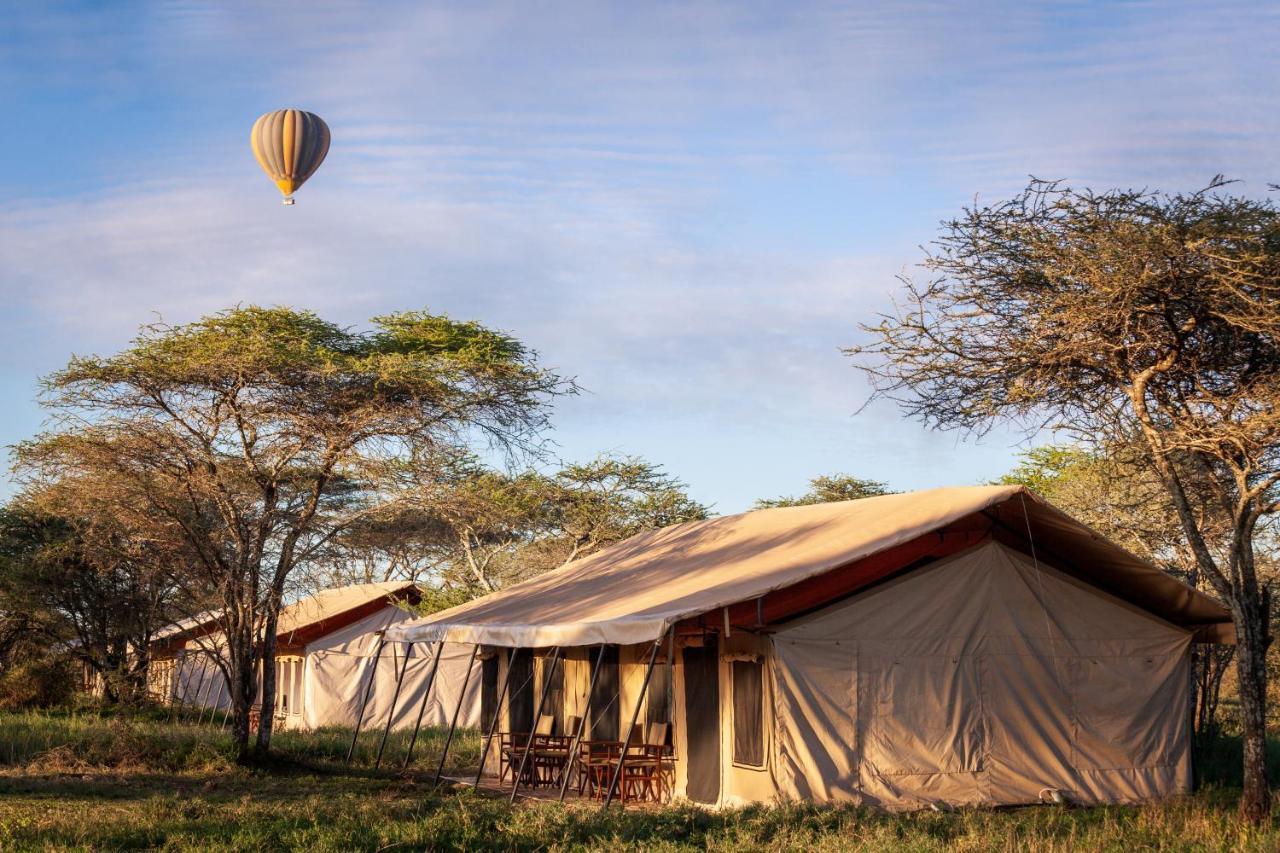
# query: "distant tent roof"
633,591
330,609
306,619
177,630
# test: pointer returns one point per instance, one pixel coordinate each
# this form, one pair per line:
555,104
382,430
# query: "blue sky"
689,207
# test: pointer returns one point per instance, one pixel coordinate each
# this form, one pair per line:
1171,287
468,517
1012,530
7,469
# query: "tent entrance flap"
702,721
520,705
606,723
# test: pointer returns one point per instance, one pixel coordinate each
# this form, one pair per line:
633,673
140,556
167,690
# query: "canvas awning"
634,591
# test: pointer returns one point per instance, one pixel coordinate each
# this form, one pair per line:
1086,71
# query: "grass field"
85,781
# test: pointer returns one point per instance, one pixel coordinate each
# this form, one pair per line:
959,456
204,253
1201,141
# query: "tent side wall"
981,679
339,666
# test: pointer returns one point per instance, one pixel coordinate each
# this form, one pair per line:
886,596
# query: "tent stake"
497,714
582,724
426,695
395,697
453,724
635,715
537,715
368,688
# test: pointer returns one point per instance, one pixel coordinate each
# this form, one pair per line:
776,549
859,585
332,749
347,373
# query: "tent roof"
331,609
306,619
633,591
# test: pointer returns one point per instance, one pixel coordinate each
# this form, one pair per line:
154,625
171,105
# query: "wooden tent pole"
537,715
395,697
582,723
453,724
426,695
368,688
635,715
497,714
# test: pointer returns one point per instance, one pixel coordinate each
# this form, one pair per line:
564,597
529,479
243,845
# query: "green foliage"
1042,469
143,740
437,598
828,488
244,442
470,528
81,782
65,580
42,682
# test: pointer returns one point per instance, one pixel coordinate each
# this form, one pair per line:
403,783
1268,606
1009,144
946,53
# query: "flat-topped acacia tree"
251,437
1124,318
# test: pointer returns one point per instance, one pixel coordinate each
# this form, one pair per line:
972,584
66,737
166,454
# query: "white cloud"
613,183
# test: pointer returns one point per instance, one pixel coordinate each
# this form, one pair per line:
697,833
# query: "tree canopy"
826,488
466,528
1117,317
248,439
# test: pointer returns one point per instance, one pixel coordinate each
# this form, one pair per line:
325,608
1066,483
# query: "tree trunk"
1251,671
266,719
243,664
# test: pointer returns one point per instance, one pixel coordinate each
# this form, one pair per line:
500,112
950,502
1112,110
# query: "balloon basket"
287,201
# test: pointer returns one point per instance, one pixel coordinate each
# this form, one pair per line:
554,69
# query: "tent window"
659,697
748,713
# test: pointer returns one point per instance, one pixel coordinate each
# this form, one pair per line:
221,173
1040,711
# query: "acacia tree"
598,503
97,587
253,436
826,488
472,529
1110,315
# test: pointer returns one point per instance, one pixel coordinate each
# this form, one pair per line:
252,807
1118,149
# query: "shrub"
40,683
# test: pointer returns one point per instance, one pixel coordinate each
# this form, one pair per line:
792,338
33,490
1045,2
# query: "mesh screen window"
748,713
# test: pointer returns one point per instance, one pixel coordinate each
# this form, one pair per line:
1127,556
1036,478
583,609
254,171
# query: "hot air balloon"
289,145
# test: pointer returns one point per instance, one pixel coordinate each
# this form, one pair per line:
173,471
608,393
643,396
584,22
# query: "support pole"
395,697
537,715
582,724
426,694
201,699
217,697
368,688
635,715
230,712
186,687
453,724
497,715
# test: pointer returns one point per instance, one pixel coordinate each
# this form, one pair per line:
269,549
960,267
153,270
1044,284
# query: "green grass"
81,780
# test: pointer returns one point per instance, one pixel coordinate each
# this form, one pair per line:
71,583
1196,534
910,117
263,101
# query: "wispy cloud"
690,206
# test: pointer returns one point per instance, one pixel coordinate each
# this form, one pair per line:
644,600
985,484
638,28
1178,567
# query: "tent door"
605,724
520,699
702,720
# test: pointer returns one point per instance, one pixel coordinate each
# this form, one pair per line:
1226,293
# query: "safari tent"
958,645
328,651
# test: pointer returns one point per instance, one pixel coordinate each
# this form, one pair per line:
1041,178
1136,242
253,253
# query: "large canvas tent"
329,655
960,645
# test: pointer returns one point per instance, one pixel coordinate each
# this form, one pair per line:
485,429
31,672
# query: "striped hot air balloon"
289,145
